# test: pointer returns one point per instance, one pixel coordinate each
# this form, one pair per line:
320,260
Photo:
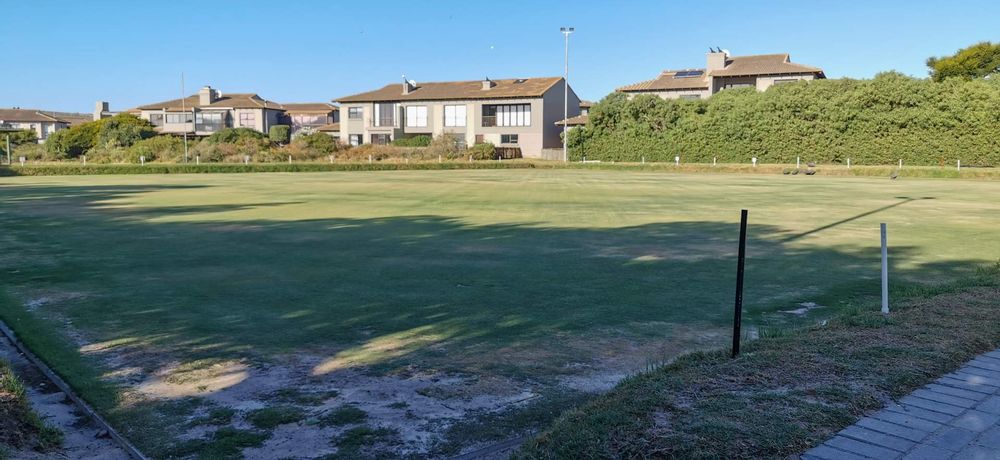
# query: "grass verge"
788,392
20,426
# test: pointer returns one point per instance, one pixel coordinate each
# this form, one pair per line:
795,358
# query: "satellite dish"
726,52
412,82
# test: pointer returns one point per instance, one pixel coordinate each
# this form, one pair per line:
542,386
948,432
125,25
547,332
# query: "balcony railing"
489,121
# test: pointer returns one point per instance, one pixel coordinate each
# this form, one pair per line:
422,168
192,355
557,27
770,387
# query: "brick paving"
956,417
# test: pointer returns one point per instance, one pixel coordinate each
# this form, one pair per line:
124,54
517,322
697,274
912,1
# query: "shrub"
446,145
484,151
159,148
31,152
322,143
280,134
232,135
17,138
111,154
123,130
415,141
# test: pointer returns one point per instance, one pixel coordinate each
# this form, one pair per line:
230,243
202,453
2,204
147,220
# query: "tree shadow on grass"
385,291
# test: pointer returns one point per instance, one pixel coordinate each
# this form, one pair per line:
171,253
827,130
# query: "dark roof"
309,107
578,120
457,90
225,101
764,64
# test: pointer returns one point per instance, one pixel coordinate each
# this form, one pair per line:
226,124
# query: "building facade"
210,111
723,71
43,123
310,116
511,113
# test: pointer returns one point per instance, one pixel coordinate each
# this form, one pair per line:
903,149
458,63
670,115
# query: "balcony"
489,121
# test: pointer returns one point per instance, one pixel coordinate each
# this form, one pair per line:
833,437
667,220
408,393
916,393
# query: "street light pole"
566,31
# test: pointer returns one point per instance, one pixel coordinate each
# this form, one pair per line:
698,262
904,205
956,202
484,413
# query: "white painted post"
246,159
142,160
959,166
643,159
677,160
885,273
439,158
85,160
331,159
754,160
715,160
848,163
289,159
22,160
197,159
900,163
369,159
797,160
470,158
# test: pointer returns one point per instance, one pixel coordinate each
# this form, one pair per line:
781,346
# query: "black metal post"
738,309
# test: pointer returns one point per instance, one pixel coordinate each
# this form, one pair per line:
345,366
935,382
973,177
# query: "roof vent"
408,85
520,80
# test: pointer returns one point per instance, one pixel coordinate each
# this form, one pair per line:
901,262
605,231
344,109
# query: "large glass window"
354,113
454,116
416,116
385,115
507,115
177,118
508,138
355,140
381,139
156,119
209,121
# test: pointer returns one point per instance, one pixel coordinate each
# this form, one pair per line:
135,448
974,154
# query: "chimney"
207,95
100,108
716,60
408,85
487,83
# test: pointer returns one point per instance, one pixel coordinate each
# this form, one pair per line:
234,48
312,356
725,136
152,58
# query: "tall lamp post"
566,31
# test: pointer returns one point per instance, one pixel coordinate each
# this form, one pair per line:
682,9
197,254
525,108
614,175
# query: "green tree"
21,137
976,61
233,135
123,130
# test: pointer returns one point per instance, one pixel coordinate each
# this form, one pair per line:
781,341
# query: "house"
516,114
723,71
310,115
43,123
579,120
210,111
332,129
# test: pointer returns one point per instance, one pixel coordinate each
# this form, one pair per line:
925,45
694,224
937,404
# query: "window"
177,118
355,140
416,116
785,81
156,119
385,115
454,116
507,115
508,138
381,139
690,96
458,139
736,85
480,138
248,119
209,121
354,113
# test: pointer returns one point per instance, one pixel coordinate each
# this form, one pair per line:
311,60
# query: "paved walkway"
956,417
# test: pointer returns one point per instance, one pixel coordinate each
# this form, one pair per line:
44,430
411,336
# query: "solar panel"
689,73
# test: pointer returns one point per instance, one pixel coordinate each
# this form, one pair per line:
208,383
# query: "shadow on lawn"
430,291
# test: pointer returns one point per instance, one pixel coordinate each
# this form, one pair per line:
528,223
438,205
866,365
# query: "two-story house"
210,111
724,71
310,115
516,113
42,122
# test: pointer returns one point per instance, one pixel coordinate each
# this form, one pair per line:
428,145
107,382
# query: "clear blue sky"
65,55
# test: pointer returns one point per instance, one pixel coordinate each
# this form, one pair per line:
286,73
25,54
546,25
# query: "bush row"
872,122
189,168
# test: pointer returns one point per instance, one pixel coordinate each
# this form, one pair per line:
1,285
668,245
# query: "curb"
65,388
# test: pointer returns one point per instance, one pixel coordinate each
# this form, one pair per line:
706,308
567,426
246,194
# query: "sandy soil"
83,439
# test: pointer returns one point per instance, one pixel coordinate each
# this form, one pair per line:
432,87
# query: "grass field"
453,308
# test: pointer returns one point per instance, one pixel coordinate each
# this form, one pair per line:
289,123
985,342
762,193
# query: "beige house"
43,123
310,116
513,114
723,71
579,120
210,111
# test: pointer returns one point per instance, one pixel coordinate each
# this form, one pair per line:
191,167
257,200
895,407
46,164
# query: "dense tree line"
877,121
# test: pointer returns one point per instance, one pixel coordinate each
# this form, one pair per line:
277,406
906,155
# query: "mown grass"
786,393
440,271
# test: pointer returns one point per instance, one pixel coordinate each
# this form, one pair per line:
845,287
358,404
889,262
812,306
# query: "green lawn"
524,274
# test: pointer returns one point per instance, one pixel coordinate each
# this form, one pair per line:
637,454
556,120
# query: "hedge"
161,168
871,122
